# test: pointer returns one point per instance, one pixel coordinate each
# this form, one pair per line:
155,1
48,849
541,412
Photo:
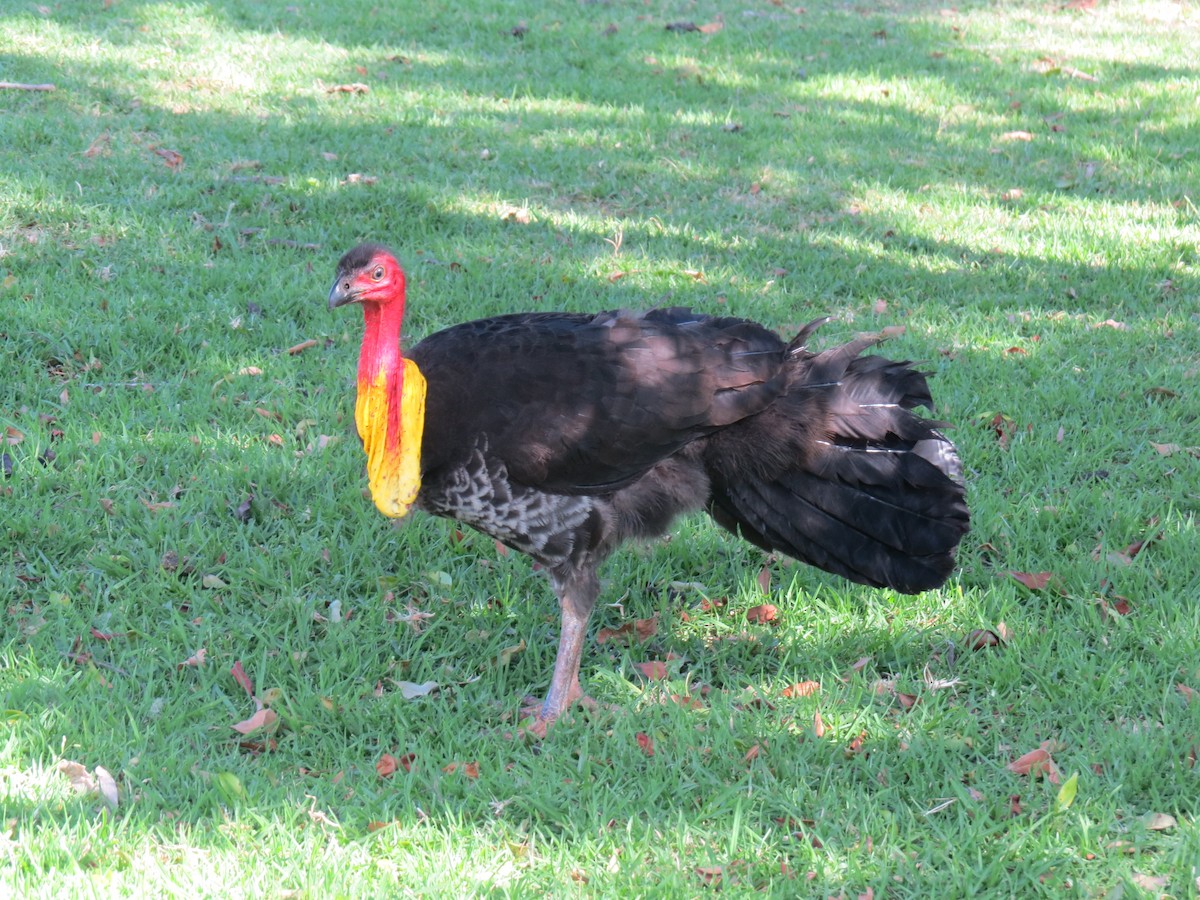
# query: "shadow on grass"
822,109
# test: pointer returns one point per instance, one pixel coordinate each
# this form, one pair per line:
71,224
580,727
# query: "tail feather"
840,473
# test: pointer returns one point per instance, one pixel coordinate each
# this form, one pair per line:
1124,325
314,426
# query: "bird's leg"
577,589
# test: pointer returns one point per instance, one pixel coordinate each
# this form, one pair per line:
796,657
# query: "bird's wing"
583,403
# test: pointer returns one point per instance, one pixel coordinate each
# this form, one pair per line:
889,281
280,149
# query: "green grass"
866,161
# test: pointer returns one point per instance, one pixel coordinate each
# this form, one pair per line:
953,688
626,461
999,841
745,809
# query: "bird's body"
563,435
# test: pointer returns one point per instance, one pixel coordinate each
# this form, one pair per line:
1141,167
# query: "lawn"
185,547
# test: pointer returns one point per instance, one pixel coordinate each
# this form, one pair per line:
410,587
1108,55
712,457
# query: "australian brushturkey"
564,434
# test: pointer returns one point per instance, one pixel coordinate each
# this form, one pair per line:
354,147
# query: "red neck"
381,339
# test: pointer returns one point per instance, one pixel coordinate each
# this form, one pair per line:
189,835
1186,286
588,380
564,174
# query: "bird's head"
367,274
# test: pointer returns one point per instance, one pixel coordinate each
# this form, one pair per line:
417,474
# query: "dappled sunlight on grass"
1013,184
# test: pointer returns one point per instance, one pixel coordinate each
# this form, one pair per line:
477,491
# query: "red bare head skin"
368,274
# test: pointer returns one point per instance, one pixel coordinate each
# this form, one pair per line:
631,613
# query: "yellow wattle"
393,465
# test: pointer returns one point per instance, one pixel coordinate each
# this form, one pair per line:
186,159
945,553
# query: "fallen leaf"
856,744
711,875
213,582
302,346
107,786
818,724
411,691
386,765
981,638
1016,136
1066,793
505,656
645,742
240,676
1156,821
98,146
752,754
172,159
802,689
1189,693
262,720
764,614
13,435
635,631
196,660
81,779
764,579
1002,426
1035,581
1036,762
712,27
1166,449
654,670
242,512
1161,392
356,87
860,664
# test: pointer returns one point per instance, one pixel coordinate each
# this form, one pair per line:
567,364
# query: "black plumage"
565,434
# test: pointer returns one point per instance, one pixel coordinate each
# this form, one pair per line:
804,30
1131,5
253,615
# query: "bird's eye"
378,273
345,285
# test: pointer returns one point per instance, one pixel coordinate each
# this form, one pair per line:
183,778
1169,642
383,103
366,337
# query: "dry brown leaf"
302,346
107,786
386,765
763,614
1156,821
802,689
1037,762
356,87
645,742
1166,449
983,637
196,660
856,744
240,676
654,670
172,159
1016,136
81,779
1035,581
264,719
98,146
635,631
818,724
764,579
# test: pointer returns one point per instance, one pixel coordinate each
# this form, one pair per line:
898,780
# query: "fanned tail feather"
842,474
